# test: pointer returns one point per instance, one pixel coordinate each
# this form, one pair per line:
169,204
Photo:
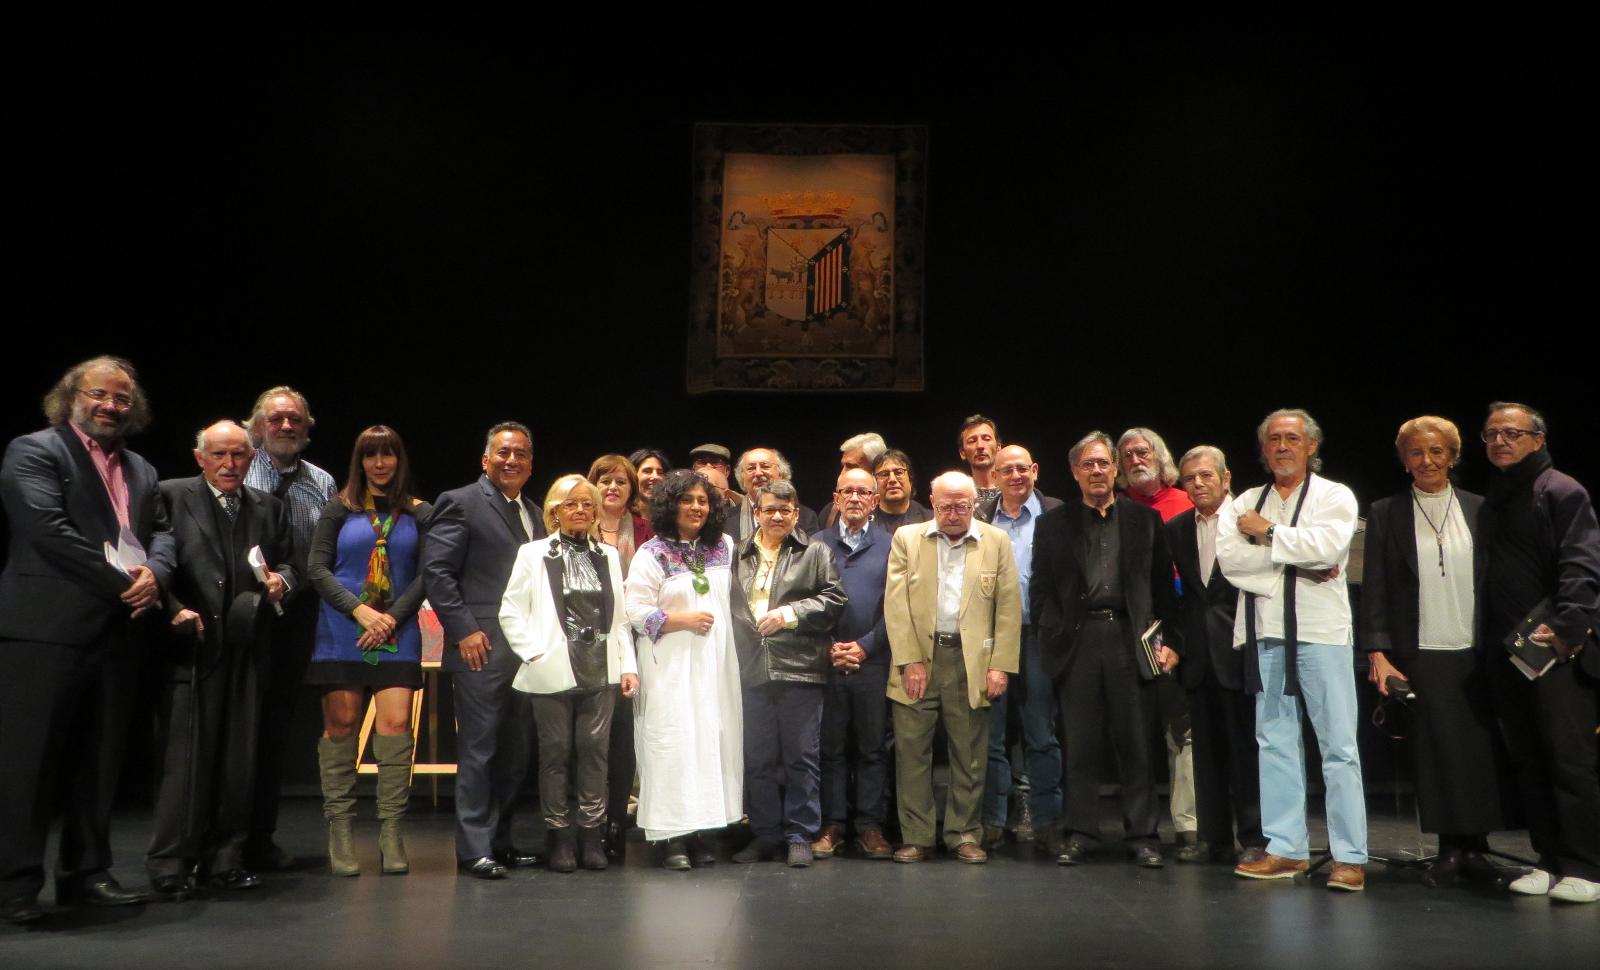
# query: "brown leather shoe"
1272,867
1347,877
873,845
910,853
972,853
828,842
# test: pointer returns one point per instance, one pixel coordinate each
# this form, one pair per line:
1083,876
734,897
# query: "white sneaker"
1571,889
1536,882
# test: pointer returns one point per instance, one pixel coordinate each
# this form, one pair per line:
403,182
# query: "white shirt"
1205,536
1444,608
1320,541
952,573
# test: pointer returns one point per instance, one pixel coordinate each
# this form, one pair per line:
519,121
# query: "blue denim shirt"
1020,529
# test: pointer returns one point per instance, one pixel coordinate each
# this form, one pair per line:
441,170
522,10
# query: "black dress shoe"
1147,856
487,867
1478,869
676,856
515,858
1074,852
173,889
701,850
21,910
98,889
1196,851
235,880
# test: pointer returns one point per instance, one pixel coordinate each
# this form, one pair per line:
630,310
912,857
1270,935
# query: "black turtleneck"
1518,555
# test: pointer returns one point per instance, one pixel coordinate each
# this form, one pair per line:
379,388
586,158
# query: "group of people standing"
740,654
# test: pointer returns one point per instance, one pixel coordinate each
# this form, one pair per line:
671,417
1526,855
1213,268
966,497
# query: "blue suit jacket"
863,573
57,587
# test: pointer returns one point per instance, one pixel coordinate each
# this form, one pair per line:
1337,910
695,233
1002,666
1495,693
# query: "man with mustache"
221,618
757,467
69,640
1285,546
1146,473
280,428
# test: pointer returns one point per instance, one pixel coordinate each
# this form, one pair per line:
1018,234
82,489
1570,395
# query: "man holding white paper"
221,618
69,640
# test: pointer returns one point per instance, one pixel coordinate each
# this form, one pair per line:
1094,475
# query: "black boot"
616,841
591,848
563,853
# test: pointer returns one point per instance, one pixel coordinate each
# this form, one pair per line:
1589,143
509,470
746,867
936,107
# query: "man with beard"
1542,559
977,443
1285,546
280,426
1146,473
757,467
71,649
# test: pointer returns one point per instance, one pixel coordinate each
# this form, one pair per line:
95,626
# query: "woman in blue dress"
363,564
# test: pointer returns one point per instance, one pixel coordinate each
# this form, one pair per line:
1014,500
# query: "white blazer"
532,624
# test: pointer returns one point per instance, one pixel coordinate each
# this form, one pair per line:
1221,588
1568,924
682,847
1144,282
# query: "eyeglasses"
1512,435
1091,464
100,395
1140,453
892,473
773,510
857,492
1015,468
580,505
953,508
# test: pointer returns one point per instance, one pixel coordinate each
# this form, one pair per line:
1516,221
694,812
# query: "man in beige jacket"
953,609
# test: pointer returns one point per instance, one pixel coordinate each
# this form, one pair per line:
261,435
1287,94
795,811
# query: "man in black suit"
1222,716
1101,575
68,643
466,561
215,664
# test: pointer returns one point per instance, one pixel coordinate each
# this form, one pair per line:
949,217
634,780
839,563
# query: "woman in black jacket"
1417,625
783,632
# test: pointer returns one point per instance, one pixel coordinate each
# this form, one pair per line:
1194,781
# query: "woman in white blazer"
563,614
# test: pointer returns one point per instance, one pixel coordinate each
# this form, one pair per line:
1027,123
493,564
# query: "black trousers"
621,762
211,720
64,720
1549,729
285,685
1227,785
1101,691
494,740
854,710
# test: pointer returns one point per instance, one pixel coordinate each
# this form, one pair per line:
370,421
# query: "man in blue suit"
68,636
466,560
854,702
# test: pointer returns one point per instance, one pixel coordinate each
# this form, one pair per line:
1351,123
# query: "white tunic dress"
688,727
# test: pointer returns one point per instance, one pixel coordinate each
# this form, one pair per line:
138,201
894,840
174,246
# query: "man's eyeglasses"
891,473
774,510
953,508
100,395
857,492
1512,435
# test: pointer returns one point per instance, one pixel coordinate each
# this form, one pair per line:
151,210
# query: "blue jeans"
1035,696
782,770
1328,690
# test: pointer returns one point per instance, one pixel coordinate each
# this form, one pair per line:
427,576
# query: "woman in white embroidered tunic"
688,730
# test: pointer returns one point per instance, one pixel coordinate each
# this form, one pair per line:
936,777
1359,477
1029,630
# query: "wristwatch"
1270,530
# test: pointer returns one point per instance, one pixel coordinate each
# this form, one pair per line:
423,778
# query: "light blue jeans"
1328,690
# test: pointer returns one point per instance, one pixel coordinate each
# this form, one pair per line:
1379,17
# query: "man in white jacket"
1285,546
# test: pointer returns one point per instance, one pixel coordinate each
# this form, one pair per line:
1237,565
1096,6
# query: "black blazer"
467,556
807,581
1207,611
1056,594
1389,583
202,578
57,587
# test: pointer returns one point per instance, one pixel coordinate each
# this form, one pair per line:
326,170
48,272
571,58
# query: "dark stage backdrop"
1180,233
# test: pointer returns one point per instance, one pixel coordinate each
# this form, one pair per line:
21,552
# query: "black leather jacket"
808,582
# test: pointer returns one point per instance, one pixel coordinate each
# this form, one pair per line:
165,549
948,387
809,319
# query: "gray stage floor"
1018,911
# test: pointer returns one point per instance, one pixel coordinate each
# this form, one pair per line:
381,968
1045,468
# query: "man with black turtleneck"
1541,559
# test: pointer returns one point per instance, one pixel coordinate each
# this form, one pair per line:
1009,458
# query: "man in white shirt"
1285,546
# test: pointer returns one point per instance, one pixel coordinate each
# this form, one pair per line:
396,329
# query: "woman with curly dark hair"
688,726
